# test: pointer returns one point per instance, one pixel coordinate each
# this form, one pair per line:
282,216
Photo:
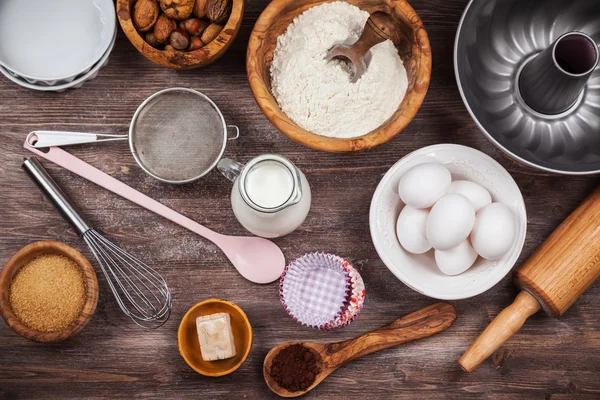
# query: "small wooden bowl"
182,59
189,347
413,48
27,254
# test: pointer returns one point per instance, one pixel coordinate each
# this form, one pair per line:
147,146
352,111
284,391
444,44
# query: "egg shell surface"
424,184
477,194
410,229
494,231
456,260
450,221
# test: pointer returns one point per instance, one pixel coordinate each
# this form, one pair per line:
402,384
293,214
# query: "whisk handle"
54,193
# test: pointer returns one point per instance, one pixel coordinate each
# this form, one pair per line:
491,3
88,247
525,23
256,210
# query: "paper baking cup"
355,300
317,290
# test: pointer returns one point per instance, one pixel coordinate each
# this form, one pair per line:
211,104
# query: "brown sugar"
48,293
295,368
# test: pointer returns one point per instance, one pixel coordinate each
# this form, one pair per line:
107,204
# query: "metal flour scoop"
379,27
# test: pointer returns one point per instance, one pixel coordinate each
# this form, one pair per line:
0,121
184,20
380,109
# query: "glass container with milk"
270,195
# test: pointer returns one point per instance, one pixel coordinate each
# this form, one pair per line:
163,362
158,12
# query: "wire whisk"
141,293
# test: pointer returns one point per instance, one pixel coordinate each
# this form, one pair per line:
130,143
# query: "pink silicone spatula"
256,259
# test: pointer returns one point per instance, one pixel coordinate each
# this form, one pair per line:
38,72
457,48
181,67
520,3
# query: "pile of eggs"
456,218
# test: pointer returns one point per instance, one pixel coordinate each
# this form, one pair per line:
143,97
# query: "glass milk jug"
270,195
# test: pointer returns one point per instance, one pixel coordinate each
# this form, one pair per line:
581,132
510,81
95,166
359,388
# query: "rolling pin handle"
506,324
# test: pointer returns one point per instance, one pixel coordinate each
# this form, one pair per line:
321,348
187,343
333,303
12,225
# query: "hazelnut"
194,26
177,9
211,33
195,43
179,39
145,14
169,48
163,28
200,9
151,40
218,11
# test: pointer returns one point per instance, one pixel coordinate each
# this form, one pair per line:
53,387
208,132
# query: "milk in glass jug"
270,196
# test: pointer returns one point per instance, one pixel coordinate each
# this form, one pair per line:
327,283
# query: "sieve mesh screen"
178,135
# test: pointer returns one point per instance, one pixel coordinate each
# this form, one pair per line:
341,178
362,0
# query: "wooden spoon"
379,27
420,324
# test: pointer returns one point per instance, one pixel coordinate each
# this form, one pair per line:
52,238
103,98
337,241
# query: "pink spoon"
256,259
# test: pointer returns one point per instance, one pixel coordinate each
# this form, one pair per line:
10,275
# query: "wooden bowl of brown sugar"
48,291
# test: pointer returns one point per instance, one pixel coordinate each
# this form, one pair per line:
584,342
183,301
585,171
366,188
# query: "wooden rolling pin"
558,272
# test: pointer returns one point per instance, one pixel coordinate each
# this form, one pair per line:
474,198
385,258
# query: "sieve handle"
44,139
236,130
71,163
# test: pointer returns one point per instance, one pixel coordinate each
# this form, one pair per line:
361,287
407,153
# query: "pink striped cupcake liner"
322,291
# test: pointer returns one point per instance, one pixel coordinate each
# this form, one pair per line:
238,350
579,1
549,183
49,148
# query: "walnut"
211,33
163,28
200,9
145,14
218,10
177,9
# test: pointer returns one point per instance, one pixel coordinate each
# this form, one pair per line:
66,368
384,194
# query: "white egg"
424,184
450,221
410,230
456,260
477,194
494,231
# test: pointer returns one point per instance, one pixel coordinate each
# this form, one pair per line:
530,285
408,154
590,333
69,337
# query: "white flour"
318,95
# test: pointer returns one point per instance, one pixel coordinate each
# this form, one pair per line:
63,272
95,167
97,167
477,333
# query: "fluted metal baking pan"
495,38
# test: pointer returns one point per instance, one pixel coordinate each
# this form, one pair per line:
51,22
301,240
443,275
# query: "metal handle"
43,139
230,169
237,132
47,185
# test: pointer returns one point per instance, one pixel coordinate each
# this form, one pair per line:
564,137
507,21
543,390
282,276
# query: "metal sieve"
177,135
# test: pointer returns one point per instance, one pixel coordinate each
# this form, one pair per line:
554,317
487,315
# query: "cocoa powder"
295,368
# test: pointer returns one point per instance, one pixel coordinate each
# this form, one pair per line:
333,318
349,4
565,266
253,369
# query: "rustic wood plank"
110,358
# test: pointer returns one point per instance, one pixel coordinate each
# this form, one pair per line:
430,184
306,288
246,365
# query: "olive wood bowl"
413,47
182,59
27,254
189,346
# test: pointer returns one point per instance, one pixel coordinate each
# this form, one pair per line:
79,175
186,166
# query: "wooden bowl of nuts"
181,34
48,291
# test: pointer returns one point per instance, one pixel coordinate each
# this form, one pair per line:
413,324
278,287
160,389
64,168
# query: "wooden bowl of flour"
413,48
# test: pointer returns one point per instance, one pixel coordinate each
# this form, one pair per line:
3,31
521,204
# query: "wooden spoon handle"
379,27
420,324
506,324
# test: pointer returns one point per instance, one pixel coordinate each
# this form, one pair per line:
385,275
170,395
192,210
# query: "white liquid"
269,184
272,192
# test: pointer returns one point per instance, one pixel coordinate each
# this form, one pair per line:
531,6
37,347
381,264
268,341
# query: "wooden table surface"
112,358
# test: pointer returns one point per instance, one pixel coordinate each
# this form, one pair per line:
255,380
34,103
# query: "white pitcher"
270,195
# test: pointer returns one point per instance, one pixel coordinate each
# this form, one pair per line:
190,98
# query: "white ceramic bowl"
54,41
74,84
420,272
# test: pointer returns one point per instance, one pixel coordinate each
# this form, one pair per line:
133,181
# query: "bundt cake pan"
496,39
